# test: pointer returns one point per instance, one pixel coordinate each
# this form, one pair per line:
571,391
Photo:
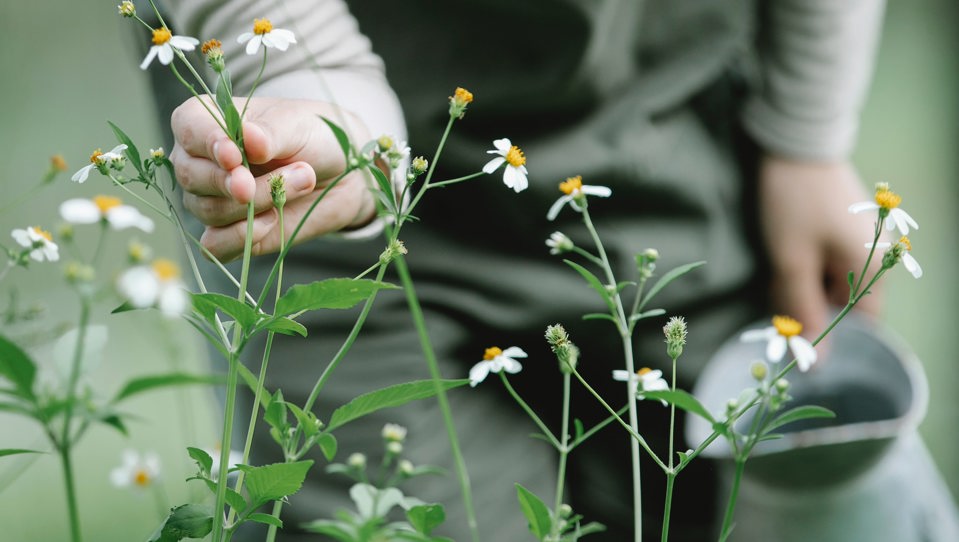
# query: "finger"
298,181
798,289
197,175
199,134
226,242
276,134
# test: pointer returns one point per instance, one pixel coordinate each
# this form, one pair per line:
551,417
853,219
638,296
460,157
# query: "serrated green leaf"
276,413
667,278
682,400
149,383
540,522
203,459
799,413
328,445
593,282
391,396
327,294
386,187
234,499
273,482
17,367
341,137
280,324
16,451
306,420
265,518
131,152
185,521
207,304
426,517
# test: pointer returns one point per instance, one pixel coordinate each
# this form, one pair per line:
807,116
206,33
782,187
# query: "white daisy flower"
104,208
164,42
39,241
784,331
496,360
887,203
98,160
558,243
900,252
645,379
574,191
157,285
394,432
514,176
263,32
135,470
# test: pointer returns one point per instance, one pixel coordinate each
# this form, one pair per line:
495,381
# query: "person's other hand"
281,136
812,240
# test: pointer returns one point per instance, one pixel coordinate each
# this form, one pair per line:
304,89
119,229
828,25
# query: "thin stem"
196,95
597,427
865,267
74,513
256,82
563,453
670,479
225,445
429,173
65,444
519,400
457,180
271,533
733,496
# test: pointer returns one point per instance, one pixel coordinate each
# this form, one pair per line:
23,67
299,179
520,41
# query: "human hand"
811,238
281,136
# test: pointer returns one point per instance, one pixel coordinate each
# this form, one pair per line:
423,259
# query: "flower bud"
394,447
394,432
356,460
565,510
566,352
675,331
138,253
458,102
558,243
759,370
419,165
782,385
277,191
212,50
391,252
76,272
731,406
405,466
127,9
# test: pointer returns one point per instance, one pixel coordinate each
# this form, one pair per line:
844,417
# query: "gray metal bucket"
862,476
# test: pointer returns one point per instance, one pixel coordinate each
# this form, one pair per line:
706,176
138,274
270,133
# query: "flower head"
514,176
675,332
157,285
164,44
127,9
496,360
458,102
574,193
263,32
558,243
135,470
899,252
887,203
394,432
98,160
784,332
39,242
645,379
108,209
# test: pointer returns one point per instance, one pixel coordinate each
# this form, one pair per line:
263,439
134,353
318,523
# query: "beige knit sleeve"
816,61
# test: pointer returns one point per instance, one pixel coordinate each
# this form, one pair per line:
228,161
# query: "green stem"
563,453
457,180
65,460
271,533
670,479
256,82
429,173
865,267
65,444
597,427
417,313
731,505
196,95
519,400
225,446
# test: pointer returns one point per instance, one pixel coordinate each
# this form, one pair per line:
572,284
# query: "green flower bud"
675,331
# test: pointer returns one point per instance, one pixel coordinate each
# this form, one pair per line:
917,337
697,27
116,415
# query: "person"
723,128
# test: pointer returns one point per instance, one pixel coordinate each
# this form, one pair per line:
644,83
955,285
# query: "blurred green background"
68,67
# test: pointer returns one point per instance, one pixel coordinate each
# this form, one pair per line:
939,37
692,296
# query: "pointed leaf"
426,517
391,396
327,294
579,429
386,187
600,316
265,518
799,413
306,420
273,482
328,445
148,383
593,282
17,367
647,314
667,278
330,528
682,400
540,522
224,100
341,137
850,278
207,304
203,459
131,152
280,324
185,521
15,451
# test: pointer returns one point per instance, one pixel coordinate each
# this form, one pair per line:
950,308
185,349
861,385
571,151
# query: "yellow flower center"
58,163
95,157
904,241
492,352
165,269
209,45
571,185
141,478
42,233
515,157
786,326
262,26
887,199
161,35
105,203
463,96
643,371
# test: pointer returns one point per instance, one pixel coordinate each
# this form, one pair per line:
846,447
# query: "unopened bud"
732,405
356,460
394,250
76,272
458,102
565,510
137,252
384,143
782,385
394,432
405,466
277,191
675,331
127,9
566,352
759,370
394,447
419,165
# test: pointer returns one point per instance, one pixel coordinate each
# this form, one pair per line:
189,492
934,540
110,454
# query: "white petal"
244,37
520,181
82,174
166,54
510,177
184,43
80,211
173,300
911,265
22,237
479,372
282,34
115,151
254,45
125,216
52,252
763,334
621,375
902,221
558,206
856,208
510,365
502,145
600,191
776,348
120,477
493,164
514,352
804,352
139,285
149,58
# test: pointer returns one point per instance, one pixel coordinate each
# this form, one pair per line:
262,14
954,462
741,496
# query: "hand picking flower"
645,379
514,176
496,360
99,161
887,203
157,285
108,209
263,32
899,251
136,470
575,192
39,242
164,43
784,331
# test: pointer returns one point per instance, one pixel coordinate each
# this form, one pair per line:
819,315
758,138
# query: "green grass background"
67,67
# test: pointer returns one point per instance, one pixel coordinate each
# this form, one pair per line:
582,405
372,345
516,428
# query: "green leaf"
386,187
600,316
333,529
276,412
327,294
770,436
206,305
579,429
15,451
799,413
535,511
850,279
328,445
234,499
341,137
131,152
203,459
669,277
682,400
17,367
148,383
265,518
391,396
589,528
593,282
125,307
306,420
115,421
185,521
224,99
426,517
647,314
273,482
280,324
